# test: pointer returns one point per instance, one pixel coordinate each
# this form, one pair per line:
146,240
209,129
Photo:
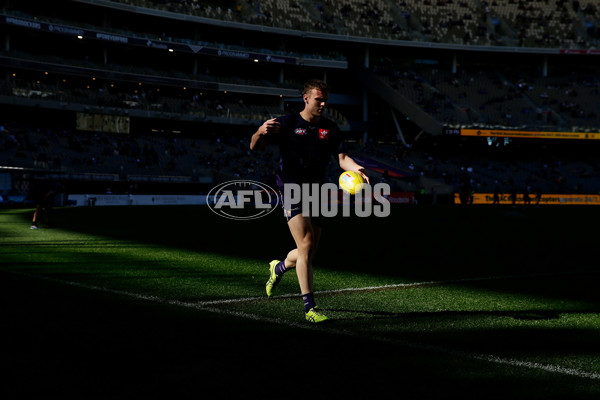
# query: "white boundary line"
206,306
400,286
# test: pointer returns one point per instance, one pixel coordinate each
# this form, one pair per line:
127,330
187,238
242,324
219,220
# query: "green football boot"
274,279
313,315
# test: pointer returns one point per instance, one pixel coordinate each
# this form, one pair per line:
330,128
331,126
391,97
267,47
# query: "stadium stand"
538,23
179,91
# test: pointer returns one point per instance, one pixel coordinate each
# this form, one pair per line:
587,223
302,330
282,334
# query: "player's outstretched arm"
270,126
347,163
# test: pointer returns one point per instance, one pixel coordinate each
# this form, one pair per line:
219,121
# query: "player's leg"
298,258
36,215
292,256
303,234
306,236
278,268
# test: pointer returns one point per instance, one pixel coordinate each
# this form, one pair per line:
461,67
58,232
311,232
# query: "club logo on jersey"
300,131
323,134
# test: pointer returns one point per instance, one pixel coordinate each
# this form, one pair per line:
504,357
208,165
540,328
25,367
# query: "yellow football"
351,182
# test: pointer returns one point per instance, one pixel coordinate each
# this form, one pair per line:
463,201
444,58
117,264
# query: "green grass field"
138,302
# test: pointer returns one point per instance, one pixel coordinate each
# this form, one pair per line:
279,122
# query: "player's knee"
306,245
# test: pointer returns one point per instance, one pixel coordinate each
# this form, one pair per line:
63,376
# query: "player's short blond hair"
315,84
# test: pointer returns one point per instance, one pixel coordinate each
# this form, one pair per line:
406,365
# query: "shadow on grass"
65,341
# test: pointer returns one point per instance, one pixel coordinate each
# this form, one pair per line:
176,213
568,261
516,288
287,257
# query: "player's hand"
269,126
365,177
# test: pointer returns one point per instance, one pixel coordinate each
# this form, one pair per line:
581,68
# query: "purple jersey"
306,148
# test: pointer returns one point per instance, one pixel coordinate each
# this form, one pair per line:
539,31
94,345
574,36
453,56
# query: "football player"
307,141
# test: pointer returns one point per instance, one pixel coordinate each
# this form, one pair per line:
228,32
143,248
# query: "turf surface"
431,302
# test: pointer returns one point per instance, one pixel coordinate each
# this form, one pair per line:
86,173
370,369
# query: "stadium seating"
537,23
452,60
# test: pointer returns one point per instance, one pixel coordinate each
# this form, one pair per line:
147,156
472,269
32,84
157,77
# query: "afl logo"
300,131
242,200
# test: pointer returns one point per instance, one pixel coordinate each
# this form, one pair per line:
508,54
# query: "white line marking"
400,285
205,306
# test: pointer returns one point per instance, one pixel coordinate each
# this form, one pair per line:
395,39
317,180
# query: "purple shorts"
293,209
